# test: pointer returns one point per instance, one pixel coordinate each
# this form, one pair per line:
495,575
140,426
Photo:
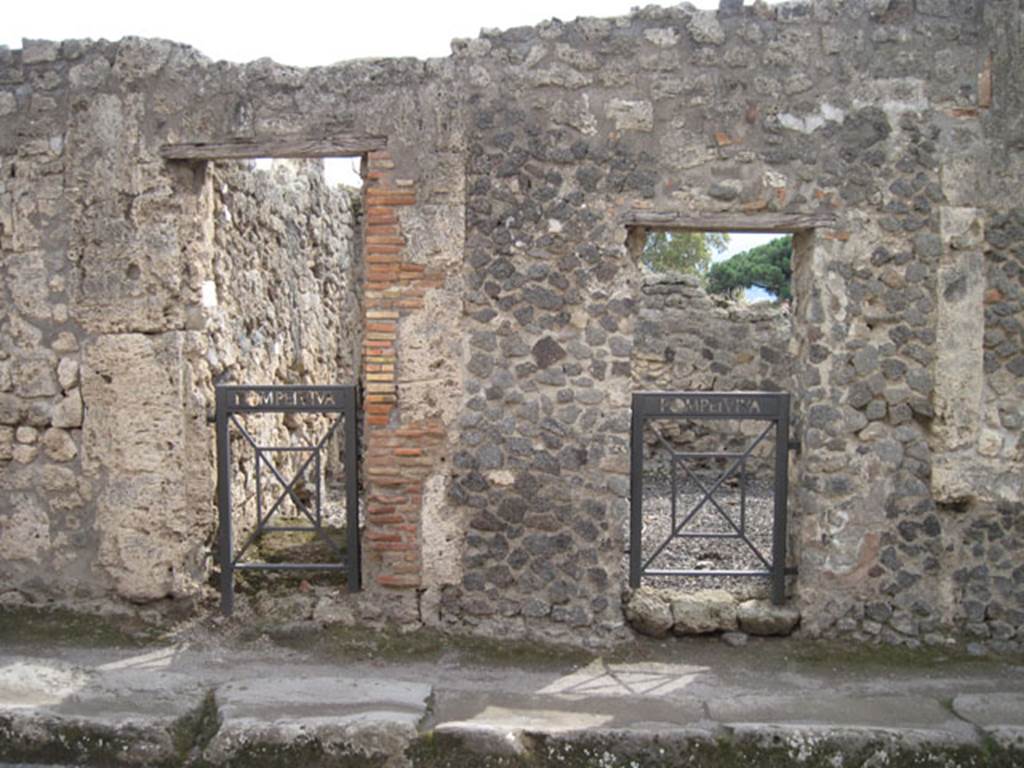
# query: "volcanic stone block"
700,613
547,351
760,617
648,613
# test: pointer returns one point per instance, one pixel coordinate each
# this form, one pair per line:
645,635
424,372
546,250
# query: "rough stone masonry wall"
284,307
99,496
512,175
988,517
112,342
883,114
280,303
685,339
413,235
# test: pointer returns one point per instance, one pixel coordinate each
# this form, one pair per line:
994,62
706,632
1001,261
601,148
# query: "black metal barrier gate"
770,407
236,401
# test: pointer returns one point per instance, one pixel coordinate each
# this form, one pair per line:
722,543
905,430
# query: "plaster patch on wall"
208,294
960,331
811,122
894,96
25,531
443,536
430,366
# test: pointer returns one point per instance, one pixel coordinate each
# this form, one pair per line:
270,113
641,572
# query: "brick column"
398,456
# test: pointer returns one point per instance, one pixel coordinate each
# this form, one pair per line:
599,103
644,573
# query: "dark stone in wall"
547,351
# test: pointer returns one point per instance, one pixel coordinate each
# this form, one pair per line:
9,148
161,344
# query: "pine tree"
767,266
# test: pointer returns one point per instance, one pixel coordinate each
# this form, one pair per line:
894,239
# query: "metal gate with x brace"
770,407
235,401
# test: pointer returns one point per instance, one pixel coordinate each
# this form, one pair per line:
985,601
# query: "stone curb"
393,739
125,715
39,736
750,745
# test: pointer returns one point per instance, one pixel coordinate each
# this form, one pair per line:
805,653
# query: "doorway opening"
285,250
715,312
277,273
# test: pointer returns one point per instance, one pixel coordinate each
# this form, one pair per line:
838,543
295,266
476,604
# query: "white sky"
297,32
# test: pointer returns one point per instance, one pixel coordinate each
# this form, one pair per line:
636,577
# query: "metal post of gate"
778,577
227,572
340,400
636,490
772,407
354,560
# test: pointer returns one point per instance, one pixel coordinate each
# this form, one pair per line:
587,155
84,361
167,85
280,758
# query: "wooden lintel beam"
346,145
730,222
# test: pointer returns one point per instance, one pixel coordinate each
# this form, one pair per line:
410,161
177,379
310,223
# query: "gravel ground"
708,553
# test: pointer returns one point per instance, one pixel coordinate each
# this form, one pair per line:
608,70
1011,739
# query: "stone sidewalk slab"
109,713
221,706
999,715
837,711
337,717
991,709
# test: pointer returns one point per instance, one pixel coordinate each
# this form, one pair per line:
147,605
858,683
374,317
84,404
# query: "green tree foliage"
767,266
688,252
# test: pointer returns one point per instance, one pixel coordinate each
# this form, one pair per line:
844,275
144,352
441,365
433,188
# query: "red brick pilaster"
398,457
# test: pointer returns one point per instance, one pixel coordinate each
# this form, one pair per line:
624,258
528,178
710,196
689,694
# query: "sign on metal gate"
337,402
709,473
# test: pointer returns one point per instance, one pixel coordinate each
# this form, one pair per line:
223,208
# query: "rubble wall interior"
687,340
281,301
497,436
280,304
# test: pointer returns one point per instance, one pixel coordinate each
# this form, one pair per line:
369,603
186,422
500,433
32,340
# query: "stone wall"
98,499
503,313
107,464
850,110
281,293
281,307
688,340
